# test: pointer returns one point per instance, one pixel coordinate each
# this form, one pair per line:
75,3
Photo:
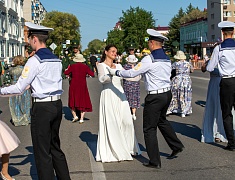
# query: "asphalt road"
197,161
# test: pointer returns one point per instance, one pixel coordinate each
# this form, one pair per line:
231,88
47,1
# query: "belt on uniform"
47,99
228,76
160,91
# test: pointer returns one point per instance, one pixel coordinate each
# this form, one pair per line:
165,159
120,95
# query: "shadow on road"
201,103
91,141
29,158
188,130
67,113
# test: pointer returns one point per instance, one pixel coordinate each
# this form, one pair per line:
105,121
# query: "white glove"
112,71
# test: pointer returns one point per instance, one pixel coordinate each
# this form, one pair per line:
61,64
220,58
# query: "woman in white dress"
8,142
213,128
116,137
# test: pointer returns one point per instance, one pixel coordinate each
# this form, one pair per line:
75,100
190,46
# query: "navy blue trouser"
45,123
154,117
227,101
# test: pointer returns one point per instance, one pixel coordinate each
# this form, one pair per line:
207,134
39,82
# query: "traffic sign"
53,46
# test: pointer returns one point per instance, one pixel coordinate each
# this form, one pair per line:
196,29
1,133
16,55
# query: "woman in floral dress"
131,86
181,86
19,105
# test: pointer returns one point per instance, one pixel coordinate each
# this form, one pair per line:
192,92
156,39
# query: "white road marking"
97,168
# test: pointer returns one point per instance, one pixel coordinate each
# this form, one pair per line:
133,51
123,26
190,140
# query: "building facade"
217,11
193,37
164,30
11,29
34,11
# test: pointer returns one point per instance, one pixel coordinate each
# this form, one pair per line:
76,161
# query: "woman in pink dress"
8,142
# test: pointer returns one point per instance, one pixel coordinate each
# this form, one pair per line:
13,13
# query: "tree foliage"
116,37
189,8
66,27
193,15
96,46
134,23
174,32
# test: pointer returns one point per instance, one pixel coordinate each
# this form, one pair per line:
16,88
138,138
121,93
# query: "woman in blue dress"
181,86
19,105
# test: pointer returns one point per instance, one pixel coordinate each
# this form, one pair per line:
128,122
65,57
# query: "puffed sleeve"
214,60
103,77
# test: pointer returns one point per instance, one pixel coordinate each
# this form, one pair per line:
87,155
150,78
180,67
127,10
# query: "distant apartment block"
34,11
217,11
11,29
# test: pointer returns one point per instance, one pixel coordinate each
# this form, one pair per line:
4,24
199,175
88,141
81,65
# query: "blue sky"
98,17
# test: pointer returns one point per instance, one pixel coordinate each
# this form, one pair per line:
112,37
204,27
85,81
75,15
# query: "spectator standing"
93,61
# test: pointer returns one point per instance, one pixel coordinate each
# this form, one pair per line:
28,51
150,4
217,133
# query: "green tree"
135,22
174,32
193,15
189,8
116,37
96,46
66,27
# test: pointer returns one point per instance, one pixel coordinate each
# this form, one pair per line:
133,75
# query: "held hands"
11,95
111,71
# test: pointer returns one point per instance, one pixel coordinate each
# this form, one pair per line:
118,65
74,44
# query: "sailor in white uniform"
224,56
42,73
156,69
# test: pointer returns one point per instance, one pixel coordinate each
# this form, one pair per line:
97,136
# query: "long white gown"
116,136
212,121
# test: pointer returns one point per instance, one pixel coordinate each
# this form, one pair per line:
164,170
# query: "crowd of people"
168,86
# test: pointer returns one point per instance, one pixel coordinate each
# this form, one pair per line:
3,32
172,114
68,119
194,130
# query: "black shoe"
150,165
175,152
229,148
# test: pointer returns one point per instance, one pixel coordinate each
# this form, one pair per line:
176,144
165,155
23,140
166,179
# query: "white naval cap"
154,35
226,25
37,29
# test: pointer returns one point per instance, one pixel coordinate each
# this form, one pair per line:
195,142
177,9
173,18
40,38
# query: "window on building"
233,1
13,50
227,2
2,49
212,5
213,38
212,15
227,13
212,26
7,50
